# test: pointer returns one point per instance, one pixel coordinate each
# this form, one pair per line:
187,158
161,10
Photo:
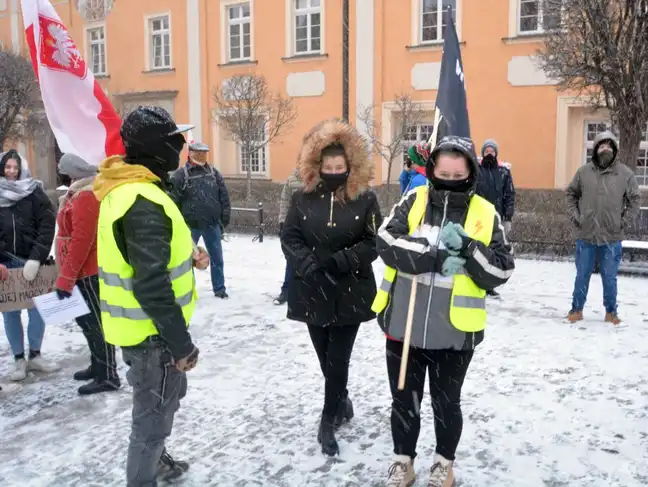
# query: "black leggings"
334,345
447,371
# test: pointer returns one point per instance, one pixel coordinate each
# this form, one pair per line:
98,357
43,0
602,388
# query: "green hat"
419,154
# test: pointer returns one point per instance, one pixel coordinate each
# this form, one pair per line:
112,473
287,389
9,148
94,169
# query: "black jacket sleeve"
147,232
398,249
491,266
45,218
363,253
176,186
509,196
226,207
293,244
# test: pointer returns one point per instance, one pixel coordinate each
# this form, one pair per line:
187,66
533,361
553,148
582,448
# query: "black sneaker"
170,469
345,412
84,375
97,386
281,299
221,294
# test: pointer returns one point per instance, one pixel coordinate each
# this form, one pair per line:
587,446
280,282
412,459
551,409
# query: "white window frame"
589,145
540,28
150,61
240,21
291,25
418,10
407,143
262,155
89,45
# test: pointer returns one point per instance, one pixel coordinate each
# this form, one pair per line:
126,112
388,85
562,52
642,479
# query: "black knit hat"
454,143
148,124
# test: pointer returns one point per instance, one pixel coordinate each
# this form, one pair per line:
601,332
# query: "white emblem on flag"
65,52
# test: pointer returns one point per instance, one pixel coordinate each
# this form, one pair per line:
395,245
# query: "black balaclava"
159,156
456,186
489,160
10,154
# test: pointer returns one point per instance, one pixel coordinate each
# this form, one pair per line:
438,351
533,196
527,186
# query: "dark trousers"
334,345
158,387
287,277
102,354
447,371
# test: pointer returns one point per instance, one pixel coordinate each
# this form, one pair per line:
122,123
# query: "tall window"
239,32
97,50
255,159
308,26
536,16
593,128
433,18
160,42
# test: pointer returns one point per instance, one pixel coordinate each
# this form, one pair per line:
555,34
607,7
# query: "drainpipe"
345,60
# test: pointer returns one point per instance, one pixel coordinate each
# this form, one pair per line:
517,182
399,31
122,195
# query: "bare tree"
409,113
252,115
600,50
19,96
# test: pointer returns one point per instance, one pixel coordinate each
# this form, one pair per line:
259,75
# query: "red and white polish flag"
82,118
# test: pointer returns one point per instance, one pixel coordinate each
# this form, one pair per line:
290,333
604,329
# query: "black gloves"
308,267
338,264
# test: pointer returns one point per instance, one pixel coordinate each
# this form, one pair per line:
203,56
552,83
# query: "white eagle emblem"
65,51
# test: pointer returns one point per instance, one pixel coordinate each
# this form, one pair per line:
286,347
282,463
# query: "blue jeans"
13,324
287,277
212,238
609,259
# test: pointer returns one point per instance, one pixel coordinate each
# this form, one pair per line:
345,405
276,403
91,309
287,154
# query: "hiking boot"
20,370
441,474
39,364
612,318
221,294
575,316
84,375
170,469
345,412
326,436
401,472
281,299
97,386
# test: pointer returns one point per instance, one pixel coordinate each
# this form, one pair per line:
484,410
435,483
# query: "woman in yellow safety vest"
452,244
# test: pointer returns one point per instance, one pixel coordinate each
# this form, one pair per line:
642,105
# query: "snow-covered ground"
545,403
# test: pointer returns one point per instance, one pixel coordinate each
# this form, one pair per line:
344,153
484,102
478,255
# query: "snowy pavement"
546,404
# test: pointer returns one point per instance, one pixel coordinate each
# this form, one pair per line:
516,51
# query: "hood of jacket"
114,171
602,137
335,131
79,186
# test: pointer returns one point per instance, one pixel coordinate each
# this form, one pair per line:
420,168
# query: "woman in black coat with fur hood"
330,238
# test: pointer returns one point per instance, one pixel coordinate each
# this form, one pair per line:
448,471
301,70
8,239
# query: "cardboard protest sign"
17,292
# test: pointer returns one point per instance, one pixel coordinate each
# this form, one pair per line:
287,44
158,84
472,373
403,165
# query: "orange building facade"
173,53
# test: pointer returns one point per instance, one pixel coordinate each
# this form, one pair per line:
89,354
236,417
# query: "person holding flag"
443,247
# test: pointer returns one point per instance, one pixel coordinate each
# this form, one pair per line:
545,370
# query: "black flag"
451,96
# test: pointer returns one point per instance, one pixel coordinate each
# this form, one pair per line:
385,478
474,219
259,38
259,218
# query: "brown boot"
401,473
575,316
441,474
612,318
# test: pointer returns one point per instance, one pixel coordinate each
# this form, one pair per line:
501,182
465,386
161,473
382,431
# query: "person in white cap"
201,194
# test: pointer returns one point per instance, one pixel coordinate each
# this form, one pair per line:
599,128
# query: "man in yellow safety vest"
146,284
453,245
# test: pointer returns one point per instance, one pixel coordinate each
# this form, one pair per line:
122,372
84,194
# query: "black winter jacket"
143,236
202,196
495,184
317,230
27,228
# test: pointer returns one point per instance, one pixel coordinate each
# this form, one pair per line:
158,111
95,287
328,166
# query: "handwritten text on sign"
17,292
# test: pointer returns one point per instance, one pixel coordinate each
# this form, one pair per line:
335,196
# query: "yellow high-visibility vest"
468,302
124,321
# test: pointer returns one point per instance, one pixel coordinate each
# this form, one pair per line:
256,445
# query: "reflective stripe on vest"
414,219
124,321
468,304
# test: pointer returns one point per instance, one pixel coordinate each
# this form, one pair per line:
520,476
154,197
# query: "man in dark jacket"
147,287
201,194
495,184
602,200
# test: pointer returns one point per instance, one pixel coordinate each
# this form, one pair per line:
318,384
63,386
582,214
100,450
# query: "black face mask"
456,186
489,160
605,158
332,182
160,156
